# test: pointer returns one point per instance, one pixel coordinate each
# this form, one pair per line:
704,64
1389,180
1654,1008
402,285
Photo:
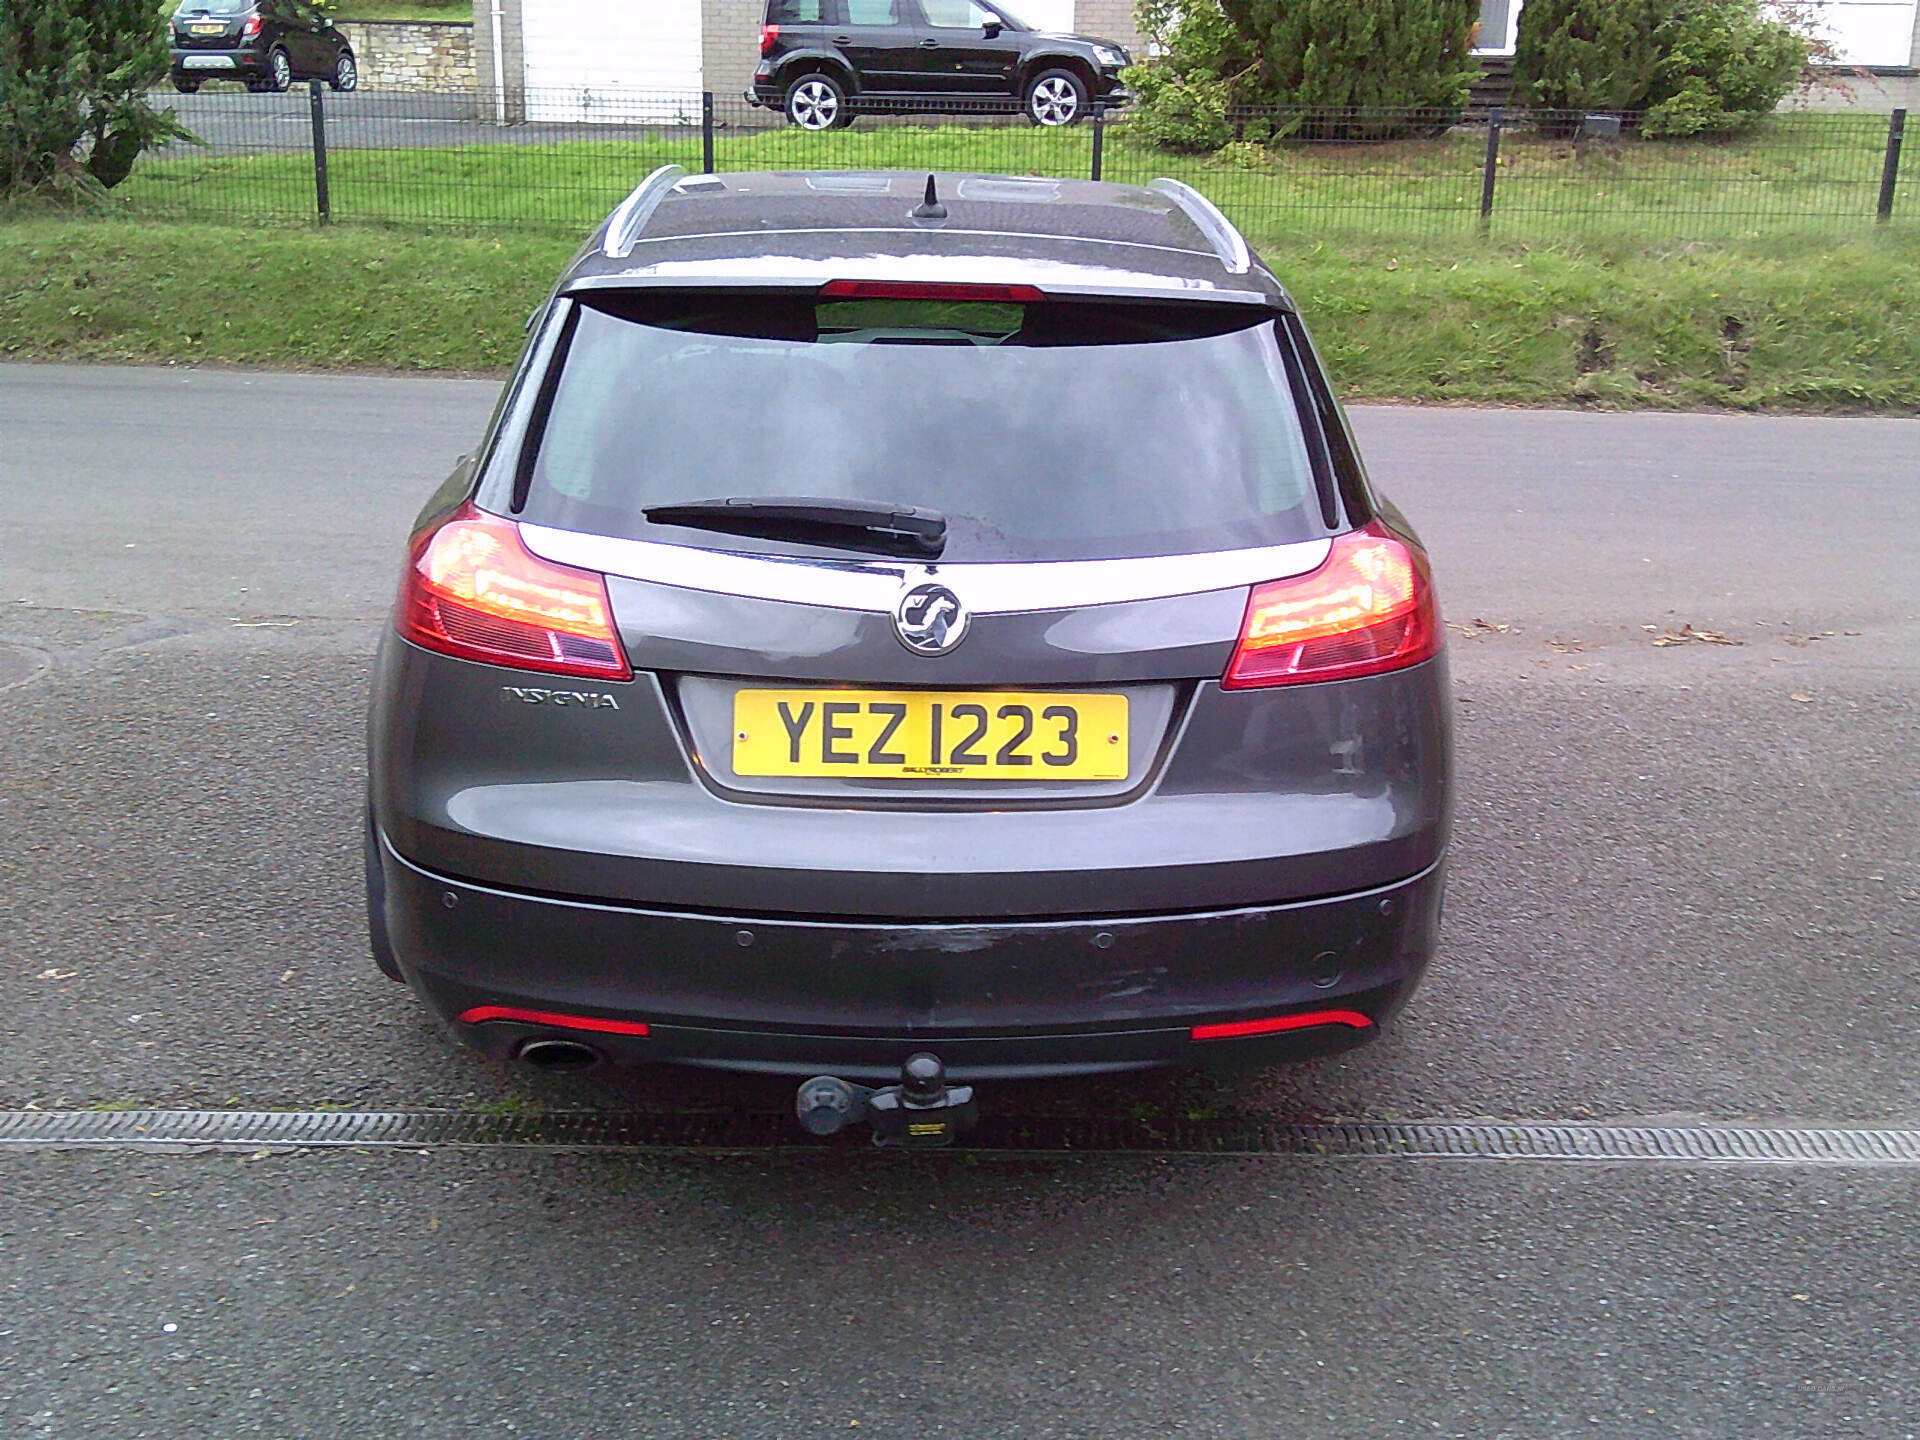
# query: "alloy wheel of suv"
279,71
1056,98
346,74
816,102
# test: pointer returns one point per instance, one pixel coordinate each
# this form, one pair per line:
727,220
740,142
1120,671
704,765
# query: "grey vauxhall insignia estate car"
895,614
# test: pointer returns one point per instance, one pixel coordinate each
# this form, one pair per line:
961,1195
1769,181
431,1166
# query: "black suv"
822,59
267,43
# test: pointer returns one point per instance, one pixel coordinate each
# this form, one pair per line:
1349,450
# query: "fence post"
1099,135
319,108
1492,168
706,132
1890,172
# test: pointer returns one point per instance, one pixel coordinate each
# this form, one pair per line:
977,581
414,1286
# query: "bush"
1723,66
1677,67
1339,63
1581,55
73,80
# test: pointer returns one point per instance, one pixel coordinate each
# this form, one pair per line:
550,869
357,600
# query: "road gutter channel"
201,1131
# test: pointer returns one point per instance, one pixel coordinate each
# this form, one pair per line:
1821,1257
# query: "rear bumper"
994,1000
212,64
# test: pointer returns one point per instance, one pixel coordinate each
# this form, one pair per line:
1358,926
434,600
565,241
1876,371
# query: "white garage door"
1054,15
1865,32
612,60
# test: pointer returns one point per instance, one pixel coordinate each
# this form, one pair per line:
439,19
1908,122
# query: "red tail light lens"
768,34
251,28
474,590
1368,608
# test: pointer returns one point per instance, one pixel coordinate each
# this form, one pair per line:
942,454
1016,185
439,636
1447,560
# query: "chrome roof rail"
1227,242
626,222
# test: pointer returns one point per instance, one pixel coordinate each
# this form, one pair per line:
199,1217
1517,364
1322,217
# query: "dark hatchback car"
267,43
877,624
821,60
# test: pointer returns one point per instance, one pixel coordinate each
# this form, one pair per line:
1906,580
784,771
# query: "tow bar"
921,1112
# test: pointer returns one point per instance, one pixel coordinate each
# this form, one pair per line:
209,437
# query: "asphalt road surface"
229,119
1684,891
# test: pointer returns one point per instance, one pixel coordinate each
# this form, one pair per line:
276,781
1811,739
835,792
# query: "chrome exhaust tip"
553,1053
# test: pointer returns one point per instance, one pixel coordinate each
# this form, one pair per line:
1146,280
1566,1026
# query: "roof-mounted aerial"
1227,242
626,223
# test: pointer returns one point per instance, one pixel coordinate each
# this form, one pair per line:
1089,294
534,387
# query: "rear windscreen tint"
1042,431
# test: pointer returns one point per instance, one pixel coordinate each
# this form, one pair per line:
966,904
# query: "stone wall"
1106,20
730,35
393,55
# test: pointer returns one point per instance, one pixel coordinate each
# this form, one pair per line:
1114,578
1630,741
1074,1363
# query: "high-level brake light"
928,290
1368,608
473,590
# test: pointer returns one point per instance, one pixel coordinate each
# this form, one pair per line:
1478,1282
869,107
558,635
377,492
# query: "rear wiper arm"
843,524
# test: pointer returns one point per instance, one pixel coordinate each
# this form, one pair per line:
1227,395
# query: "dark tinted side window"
799,12
873,12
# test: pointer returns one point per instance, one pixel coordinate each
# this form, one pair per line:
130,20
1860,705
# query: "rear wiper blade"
844,524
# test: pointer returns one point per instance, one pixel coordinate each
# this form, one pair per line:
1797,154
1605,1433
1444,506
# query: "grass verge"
1783,323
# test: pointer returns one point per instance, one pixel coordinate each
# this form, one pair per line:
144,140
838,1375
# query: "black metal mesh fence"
559,160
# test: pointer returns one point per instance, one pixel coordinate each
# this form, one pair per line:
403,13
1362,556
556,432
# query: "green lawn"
1795,321
1798,171
404,10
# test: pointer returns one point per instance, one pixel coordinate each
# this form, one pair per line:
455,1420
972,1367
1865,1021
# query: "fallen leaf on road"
1803,699
1687,635
1480,627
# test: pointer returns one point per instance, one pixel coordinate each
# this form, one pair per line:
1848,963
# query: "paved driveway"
1685,889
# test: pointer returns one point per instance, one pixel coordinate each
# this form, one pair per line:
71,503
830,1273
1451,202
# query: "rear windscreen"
1042,431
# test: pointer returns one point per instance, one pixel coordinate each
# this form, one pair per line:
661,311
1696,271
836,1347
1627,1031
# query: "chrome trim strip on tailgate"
875,585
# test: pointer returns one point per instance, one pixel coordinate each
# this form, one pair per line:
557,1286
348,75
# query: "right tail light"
1368,608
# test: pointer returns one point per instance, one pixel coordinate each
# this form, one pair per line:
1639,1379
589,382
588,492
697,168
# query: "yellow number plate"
208,29
930,735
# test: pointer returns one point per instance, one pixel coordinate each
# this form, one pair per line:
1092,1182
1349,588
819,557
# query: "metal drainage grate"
1704,1144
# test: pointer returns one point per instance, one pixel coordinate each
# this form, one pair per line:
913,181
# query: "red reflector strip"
927,290
479,1014
1240,1029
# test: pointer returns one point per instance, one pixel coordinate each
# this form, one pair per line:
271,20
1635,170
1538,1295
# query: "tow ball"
922,1112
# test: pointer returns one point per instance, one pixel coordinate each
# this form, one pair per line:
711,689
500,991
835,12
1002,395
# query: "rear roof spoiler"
1227,242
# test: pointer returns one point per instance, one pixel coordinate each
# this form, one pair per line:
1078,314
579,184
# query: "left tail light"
768,35
474,590
1368,608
